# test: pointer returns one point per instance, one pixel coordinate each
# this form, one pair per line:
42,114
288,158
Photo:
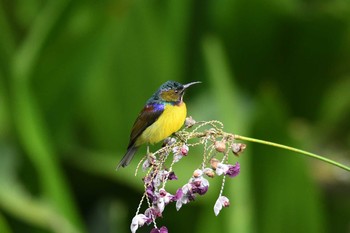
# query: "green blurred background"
74,75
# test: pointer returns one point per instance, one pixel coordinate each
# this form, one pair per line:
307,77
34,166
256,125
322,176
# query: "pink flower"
221,202
228,169
138,221
179,152
163,229
233,170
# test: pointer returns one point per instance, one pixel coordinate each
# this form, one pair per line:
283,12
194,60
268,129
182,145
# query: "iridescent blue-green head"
171,92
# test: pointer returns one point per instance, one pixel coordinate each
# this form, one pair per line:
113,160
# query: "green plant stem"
315,156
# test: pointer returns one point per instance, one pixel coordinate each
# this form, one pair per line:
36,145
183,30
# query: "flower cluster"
217,147
196,185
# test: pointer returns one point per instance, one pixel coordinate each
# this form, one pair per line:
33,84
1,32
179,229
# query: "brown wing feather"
149,114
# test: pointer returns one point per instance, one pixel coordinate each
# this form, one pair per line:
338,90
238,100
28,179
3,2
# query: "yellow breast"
169,122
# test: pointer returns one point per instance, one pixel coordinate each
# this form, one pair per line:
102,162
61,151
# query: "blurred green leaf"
231,112
282,181
4,228
7,39
29,122
15,200
4,110
335,108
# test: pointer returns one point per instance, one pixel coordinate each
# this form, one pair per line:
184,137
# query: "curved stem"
293,149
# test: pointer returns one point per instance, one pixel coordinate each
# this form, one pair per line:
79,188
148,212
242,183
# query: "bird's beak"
190,84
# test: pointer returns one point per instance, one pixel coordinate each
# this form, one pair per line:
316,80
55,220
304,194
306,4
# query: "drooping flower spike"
215,156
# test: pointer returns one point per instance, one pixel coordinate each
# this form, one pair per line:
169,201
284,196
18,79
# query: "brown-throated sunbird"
163,115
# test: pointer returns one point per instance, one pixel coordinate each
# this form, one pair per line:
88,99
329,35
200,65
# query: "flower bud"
162,192
184,150
168,141
238,148
209,172
197,173
197,183
214,163
189,122
226,203
220,146
146,165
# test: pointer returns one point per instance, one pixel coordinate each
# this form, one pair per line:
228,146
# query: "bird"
163,114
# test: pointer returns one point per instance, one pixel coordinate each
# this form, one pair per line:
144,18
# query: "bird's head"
173,92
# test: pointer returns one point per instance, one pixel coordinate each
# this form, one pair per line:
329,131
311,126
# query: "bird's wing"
148,115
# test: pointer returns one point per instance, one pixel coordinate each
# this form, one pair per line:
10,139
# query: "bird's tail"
127,157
